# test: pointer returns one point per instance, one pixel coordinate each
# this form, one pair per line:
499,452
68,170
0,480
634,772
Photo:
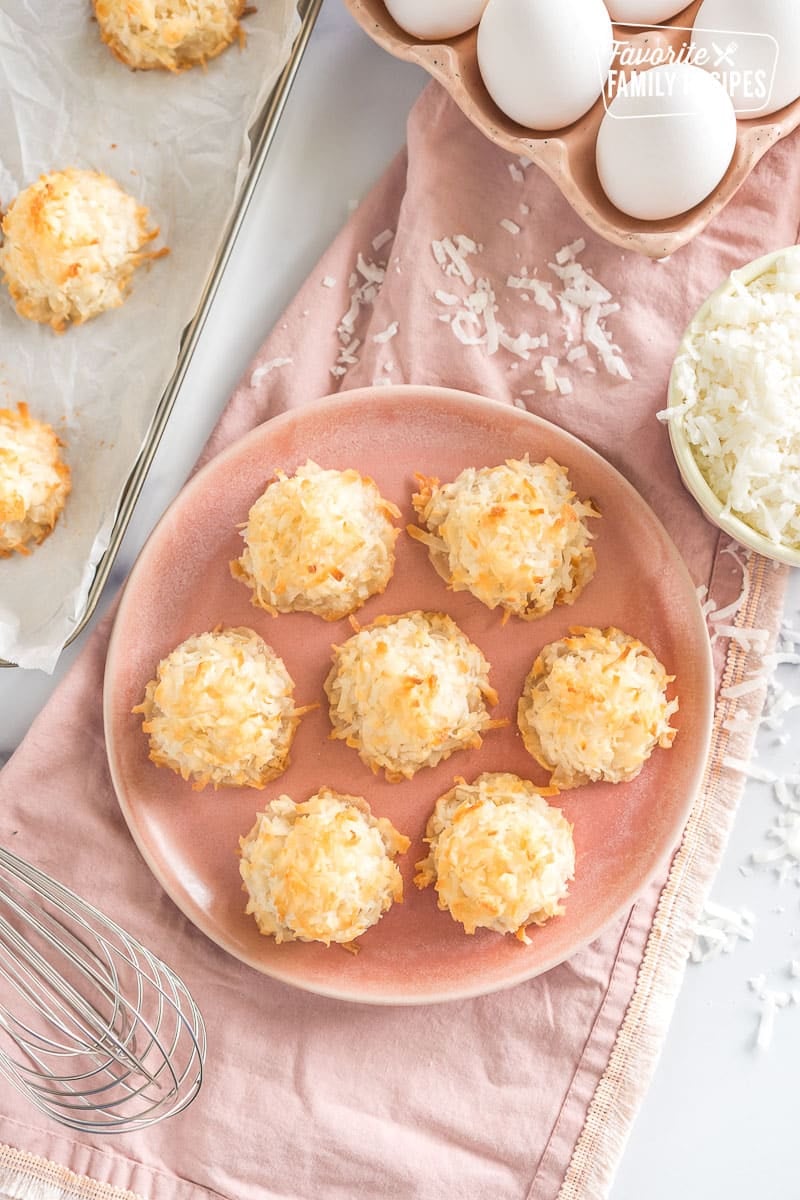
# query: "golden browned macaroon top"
321,871
595,706
409,690
171,35
320,541
34,480
220,710
72,241
500,855
514,535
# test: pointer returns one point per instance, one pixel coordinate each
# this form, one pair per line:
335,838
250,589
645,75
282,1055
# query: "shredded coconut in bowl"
500,856
735,398
513,535
319,541
220,710
321,871
594,707
407,691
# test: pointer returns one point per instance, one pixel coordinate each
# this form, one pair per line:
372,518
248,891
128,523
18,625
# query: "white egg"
544,62
430,19
643,12
740,39
661,152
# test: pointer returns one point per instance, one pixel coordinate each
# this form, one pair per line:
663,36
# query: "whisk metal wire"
95,1030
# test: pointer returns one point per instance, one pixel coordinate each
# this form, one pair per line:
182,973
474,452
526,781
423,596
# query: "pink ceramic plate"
181,585
567,155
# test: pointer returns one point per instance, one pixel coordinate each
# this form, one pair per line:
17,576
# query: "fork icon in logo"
724,57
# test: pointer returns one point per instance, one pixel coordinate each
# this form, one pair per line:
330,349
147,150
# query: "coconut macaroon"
72,242
594,707
320,871
319,541
34,480
514,535
173,35
500,856
409,690
220,710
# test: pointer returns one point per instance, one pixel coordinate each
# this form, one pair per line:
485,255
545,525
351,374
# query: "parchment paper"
179,145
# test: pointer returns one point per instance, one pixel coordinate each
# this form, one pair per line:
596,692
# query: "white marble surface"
716,1122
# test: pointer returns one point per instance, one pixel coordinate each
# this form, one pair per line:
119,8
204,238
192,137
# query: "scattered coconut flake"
547,372
780,701
719,930
446,297
510,226
749,639
541,291
586,304
784,853
596,335
386,334
522,344
771,1000
570,252
740,721
451,255
751,770
364,285
516,173
564,386
458,326
265,368
577,353
781,659
382,238
371,272
745,688
328,281
525,209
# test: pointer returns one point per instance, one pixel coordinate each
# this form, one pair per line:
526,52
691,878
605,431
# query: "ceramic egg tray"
567,155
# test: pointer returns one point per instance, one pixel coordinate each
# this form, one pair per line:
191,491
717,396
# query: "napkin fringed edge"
25,1176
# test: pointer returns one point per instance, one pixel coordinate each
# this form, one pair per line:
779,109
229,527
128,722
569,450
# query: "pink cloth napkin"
527,1093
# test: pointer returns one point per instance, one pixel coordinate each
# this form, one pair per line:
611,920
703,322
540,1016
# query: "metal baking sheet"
256,148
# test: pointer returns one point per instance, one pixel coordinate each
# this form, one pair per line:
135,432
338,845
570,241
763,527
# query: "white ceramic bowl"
690,472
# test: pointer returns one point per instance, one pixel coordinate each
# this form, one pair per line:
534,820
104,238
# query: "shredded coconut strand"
719,931
267,367
583,303
387,334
